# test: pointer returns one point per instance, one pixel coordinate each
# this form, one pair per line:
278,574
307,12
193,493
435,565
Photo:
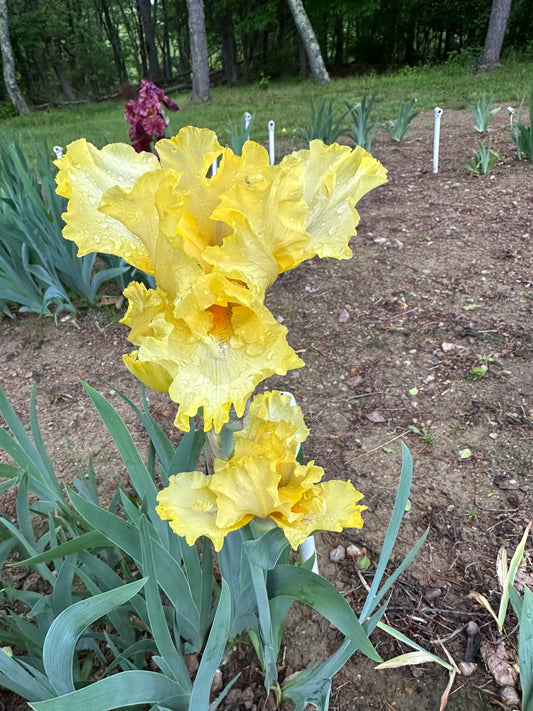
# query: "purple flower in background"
146,116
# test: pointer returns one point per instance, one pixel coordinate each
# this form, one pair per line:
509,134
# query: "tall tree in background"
307,35
8,62
112,31
499,16
148,32
229,49
199,54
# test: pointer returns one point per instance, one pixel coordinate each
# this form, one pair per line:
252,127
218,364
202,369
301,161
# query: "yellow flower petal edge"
191,152
335,178
214,347
190,506
85,174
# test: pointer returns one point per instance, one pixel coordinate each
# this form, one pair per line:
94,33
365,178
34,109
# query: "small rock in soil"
467,668
337,554
509,697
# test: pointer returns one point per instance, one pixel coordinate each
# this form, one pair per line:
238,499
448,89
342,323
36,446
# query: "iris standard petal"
151,210
273,423
246,488
267,214
85,173
191,153
335,178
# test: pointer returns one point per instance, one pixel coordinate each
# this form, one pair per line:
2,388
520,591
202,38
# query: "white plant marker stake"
271,145
247,121
214,164
511,115
58,150
307,549
436,139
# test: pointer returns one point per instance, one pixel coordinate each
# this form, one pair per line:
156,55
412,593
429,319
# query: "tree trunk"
199,55
167,58
148,27
112,32
65,84
229,51
133,36
499,15
339,40
184,48
304,27
8,62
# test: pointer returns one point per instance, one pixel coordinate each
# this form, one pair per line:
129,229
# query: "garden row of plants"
357,123
39,270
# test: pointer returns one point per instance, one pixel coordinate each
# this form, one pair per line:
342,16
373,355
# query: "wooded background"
73,50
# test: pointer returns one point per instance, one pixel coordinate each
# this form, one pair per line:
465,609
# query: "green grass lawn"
286,102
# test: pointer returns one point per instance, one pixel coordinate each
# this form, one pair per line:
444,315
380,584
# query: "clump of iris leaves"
122,601
39,270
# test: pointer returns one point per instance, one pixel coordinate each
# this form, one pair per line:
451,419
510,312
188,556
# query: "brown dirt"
442,274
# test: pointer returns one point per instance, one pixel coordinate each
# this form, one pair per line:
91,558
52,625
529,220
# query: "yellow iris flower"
210,350
253,485
214,243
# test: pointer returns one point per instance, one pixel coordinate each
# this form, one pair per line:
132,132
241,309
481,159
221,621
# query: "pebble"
354,551
337,554
509,697
344,316
467,668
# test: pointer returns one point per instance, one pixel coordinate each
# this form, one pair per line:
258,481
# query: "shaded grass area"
287,102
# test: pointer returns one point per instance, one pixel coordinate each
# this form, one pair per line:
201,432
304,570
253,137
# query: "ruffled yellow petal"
265,483
296,479
85,173
331,506
191,153
216,344
151,210
274,424
191,507
335,178
246,488
267,213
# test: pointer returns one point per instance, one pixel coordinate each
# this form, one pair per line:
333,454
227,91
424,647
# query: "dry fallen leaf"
500,663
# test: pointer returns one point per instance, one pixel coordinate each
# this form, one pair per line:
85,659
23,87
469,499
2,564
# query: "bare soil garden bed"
441,283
